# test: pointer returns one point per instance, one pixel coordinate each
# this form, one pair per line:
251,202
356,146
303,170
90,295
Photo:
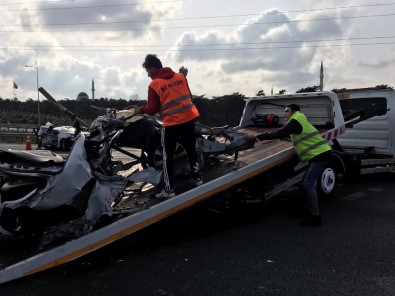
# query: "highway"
252,251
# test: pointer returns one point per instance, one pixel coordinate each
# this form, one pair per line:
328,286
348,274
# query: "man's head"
290,110
151,64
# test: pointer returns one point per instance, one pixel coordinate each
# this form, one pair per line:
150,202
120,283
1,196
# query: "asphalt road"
254,251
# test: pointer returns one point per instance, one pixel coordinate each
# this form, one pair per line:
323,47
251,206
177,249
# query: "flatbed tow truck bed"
139,208
140,199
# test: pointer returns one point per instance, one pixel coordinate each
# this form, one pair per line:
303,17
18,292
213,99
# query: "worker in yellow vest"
311,147
170,96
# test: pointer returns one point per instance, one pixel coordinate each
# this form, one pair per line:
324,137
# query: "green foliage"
261,93
381,86
224,110
14,111
384,86
315,88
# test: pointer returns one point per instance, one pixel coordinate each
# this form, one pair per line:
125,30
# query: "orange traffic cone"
28,144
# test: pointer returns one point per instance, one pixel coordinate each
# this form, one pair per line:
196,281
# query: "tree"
381,86
224,110
281,92
315,88
261,93
337,90
384,86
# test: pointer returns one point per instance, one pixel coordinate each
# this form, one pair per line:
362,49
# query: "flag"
15,86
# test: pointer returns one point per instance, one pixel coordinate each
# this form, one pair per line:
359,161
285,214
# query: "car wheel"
154,158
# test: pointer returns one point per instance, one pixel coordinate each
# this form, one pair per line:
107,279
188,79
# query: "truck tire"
327,182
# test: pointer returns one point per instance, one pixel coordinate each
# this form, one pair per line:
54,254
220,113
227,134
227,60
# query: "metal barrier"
18,132
18,137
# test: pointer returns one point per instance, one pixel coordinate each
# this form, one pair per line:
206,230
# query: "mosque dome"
82,96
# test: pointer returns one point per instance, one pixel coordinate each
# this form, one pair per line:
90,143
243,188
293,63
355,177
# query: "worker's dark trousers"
183,134
309,183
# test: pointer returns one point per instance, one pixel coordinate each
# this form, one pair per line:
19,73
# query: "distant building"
322,77
82,96
93,89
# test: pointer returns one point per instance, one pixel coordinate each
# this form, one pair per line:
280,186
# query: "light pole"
38,94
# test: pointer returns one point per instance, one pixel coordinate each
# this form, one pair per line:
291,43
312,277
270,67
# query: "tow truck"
267,169
368,146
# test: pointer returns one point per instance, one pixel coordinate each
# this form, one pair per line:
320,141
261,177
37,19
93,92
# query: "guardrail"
18,132
17,137
18,127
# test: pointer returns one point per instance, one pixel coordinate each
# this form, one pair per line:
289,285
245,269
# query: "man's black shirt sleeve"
292,127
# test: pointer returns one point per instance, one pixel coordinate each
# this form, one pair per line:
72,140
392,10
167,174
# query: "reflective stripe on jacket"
310,142
175,100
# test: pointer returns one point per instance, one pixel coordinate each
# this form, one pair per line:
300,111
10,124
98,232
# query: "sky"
228,46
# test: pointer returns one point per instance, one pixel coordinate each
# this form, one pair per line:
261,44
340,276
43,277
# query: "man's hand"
183,71
261,137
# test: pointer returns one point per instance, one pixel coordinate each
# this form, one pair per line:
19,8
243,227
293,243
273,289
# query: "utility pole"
38,93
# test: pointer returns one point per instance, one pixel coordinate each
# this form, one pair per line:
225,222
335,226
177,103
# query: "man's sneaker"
196,182
164,194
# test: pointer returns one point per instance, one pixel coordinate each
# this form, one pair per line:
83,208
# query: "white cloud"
224,48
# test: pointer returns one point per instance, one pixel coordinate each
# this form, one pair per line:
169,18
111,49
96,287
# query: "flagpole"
14,87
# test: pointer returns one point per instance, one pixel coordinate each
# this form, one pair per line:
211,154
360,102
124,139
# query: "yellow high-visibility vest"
310,142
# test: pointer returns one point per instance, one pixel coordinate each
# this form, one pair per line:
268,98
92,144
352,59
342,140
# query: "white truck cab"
378,131
368,145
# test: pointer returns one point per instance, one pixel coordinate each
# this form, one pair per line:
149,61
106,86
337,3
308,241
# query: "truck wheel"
327,182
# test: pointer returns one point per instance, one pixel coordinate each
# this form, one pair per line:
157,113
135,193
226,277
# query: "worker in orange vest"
170,96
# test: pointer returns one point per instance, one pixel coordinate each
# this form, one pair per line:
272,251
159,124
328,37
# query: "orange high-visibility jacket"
175,100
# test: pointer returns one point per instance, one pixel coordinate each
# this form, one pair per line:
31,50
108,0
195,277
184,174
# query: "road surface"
253,251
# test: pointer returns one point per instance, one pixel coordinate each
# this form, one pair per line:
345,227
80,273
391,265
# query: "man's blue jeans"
309,184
